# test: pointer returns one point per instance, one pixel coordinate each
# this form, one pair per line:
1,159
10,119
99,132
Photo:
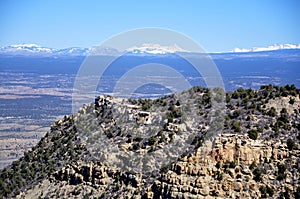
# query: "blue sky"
216,25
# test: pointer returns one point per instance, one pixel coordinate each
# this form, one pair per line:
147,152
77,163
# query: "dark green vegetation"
247,112
266,191
253,134
246,105
56,149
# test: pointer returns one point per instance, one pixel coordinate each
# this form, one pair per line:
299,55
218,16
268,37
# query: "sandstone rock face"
204,179
233,166
192,177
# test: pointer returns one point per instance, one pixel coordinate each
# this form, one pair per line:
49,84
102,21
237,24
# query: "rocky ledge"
254,155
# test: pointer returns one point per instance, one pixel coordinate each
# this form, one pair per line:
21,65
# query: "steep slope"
254,153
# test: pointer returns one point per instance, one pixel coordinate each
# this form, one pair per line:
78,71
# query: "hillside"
241,144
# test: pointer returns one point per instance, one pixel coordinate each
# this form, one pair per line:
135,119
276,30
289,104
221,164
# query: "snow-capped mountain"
75,51
101,50
143,50
268,48
155,49
36,50
25,48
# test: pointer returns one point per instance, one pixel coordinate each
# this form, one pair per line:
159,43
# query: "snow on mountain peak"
144,49
155,49
25,46
25,49
268,48
36,50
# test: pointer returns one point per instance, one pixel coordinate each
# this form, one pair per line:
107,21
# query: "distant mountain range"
155,49
145,49
36,50
268,48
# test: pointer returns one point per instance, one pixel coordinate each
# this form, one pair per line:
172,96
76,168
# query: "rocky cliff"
241,144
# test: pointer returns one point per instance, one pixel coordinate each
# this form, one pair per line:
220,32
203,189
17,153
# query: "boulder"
237,186
205,191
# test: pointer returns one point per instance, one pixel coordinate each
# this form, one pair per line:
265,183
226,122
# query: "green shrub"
218,165
292,101
257,174
236,114
228,98
270,191
132,101
290,144
170,117
281,171
177,113
260,129
136,146
229,164
285,194
146,103
272,112
235,95
232,164
248,118
219,176
263,191
236,126
253,134
151,141
297,192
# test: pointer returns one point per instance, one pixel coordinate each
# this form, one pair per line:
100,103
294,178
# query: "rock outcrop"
256,154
